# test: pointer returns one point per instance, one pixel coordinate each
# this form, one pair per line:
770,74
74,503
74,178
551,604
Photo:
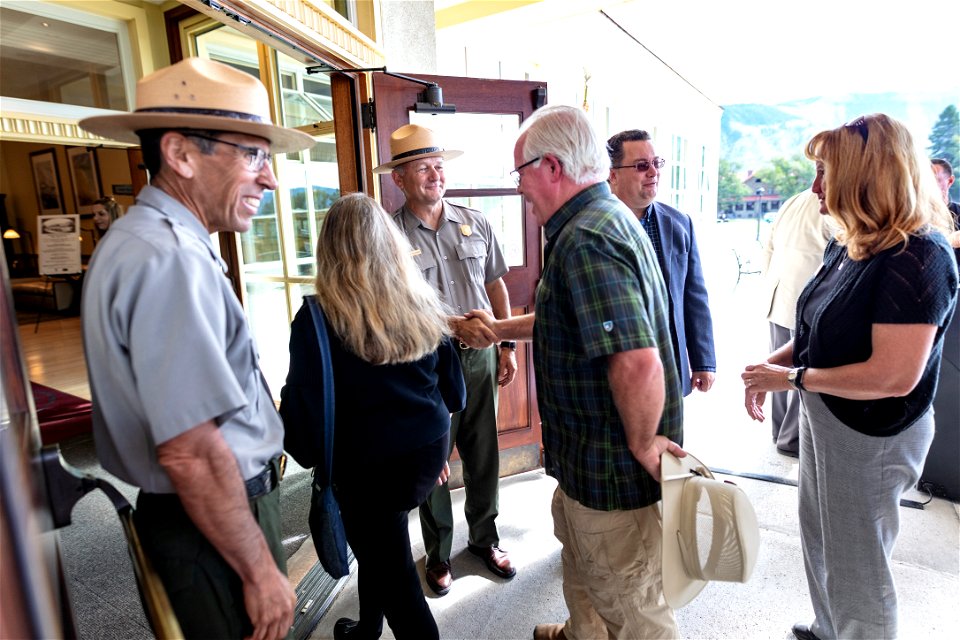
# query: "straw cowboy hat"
411,142
710,530
200,94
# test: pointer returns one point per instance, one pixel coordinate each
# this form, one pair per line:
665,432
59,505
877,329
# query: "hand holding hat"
710,530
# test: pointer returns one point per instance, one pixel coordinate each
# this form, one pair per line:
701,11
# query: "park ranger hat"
200,94
710,529
411,142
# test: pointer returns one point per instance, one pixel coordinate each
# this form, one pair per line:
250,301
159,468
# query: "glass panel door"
277,262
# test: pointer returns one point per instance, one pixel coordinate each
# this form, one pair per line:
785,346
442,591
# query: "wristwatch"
508,344
795,378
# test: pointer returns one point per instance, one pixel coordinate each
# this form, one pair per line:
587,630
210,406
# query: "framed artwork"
84,177
46,181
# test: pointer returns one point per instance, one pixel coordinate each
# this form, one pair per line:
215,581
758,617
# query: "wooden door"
485,124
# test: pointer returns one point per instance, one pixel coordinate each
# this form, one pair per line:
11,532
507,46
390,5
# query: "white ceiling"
762,51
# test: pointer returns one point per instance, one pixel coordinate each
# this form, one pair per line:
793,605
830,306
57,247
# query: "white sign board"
59,245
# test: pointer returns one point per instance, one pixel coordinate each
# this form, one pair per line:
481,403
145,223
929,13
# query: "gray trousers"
850,489
786,404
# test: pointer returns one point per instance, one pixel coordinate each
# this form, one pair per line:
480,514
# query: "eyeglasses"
515,174
644,165
256,157
860,124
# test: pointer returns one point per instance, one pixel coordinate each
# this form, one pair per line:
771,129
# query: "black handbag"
326,524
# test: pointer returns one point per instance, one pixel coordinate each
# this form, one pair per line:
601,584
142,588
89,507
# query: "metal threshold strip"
315,593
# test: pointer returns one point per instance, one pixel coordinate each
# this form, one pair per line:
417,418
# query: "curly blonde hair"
370,287
876,185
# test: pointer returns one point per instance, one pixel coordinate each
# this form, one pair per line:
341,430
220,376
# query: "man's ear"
397,179
178,154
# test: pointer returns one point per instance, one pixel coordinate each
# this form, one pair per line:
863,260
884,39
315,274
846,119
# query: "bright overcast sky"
767,51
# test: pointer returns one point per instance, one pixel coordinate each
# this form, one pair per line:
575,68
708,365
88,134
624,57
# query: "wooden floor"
54,355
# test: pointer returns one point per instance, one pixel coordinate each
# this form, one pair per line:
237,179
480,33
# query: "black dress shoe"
345,628
788,452
496,560
802,632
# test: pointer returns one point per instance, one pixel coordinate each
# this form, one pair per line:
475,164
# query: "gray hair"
565,133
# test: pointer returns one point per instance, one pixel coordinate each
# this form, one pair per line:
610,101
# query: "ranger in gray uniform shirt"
459,255
180,408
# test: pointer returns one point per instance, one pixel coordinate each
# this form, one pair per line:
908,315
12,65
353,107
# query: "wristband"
508,344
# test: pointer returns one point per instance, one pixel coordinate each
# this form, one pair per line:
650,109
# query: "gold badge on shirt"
466,230
415,253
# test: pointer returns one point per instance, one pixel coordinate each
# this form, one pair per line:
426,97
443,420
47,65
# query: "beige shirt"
793,253
458,259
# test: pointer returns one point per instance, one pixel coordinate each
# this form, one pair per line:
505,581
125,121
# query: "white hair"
566,133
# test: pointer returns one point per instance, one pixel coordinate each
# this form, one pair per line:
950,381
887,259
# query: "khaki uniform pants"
612,572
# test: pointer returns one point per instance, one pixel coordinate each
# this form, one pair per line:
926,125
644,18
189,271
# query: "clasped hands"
476,329
758,379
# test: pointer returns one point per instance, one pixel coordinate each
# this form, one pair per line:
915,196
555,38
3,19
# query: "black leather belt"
267,480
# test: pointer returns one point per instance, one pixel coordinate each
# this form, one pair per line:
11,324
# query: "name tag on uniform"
466,230
415,253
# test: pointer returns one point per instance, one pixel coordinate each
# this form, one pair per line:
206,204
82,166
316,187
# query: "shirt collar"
178,216
573,206
448,213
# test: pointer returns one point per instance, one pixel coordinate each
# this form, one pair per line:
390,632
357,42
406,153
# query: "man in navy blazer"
634,175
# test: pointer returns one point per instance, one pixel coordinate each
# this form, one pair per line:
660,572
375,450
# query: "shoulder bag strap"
328,409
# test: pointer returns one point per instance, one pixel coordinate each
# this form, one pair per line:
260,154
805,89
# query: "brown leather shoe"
440,578
549,632
496,560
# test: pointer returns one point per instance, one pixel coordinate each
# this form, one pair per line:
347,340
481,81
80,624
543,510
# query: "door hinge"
368,115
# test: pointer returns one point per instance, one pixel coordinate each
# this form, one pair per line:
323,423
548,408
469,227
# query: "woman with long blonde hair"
865,359
397,379
106,211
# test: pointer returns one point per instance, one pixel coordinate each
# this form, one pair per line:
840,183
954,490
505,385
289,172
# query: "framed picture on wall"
46,181
84,177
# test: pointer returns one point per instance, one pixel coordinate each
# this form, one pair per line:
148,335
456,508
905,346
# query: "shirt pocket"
473,255
427,263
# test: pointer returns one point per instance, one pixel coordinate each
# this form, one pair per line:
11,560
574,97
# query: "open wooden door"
485,125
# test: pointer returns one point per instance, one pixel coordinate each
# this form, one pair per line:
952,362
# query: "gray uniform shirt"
459,258
168,346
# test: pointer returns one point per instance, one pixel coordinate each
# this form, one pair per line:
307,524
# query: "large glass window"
277,254
55,54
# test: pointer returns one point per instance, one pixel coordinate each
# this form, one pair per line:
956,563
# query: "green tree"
730,189
787,176
945,143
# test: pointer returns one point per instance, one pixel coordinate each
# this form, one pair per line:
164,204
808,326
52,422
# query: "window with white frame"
59,55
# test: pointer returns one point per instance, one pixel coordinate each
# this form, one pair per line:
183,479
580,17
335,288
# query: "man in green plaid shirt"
608,388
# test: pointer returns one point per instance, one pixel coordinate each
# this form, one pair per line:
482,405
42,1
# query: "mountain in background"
751,135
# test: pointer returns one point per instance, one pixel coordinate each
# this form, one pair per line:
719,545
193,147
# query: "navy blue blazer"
690,322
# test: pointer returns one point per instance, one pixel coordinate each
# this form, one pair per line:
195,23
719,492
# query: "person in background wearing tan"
792,254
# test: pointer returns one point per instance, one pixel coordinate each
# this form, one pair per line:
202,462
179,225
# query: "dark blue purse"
326,524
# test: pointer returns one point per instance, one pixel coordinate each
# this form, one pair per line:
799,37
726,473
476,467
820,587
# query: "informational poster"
59,245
